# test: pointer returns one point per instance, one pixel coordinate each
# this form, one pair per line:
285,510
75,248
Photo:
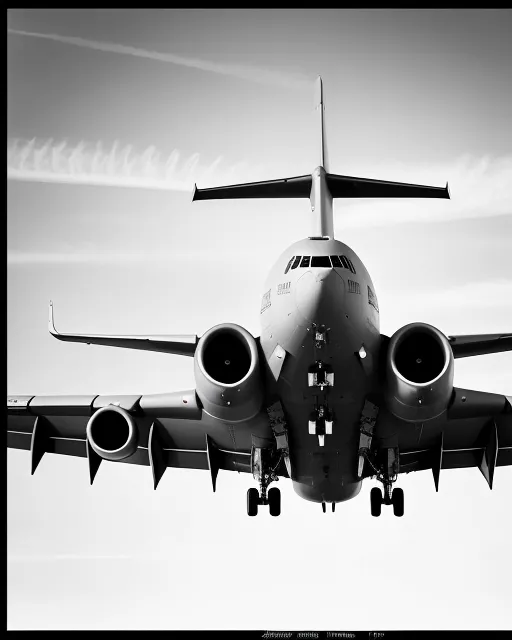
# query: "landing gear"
253,500
398,502
394,497
387,474
274,501
376,501
263,469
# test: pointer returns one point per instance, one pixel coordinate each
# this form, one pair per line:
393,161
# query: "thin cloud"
489,294
479,186
15,257
64,557
253,74
93,164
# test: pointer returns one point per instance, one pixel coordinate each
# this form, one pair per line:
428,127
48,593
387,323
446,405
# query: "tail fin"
320,107
329,185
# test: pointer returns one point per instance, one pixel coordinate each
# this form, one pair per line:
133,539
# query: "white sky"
419,96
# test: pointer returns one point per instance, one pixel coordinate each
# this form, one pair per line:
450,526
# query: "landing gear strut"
387,474
263,469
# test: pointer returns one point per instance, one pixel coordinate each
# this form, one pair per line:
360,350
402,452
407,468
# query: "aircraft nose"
318,293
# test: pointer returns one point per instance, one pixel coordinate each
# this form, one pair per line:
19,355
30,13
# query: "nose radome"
318,293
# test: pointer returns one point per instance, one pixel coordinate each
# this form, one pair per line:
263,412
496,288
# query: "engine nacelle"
419,373
112,433
227,373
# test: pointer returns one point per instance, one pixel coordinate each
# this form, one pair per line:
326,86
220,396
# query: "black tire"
323,507
376,501
398,502
253,497
274,501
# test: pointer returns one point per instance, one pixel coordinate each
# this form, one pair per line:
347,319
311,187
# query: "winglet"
51,323
448,191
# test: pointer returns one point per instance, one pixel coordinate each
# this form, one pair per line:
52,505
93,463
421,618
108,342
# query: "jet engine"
112,433
227,373
419,373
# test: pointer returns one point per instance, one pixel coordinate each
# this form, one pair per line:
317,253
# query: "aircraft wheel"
253,498
376,501
398,502
274,501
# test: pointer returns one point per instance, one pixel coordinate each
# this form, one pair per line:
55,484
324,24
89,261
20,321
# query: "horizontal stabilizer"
477,345
180,345
299,187
339,187
350,187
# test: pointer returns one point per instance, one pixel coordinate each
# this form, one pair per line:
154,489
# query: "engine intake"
419,373
112,433
227,373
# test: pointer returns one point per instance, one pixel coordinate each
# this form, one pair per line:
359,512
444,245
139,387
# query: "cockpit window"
320,261
289,264
351,266
344,262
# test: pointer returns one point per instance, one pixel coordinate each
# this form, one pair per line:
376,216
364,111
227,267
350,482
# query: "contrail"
295,80
92,164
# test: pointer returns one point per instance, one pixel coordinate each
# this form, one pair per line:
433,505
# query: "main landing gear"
272,498
387,474
264,471
324,506
394,497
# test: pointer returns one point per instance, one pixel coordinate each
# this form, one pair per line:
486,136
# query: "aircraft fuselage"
320,307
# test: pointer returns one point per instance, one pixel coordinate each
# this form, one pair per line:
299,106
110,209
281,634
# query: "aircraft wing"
184,345
480,344
173,431
475,431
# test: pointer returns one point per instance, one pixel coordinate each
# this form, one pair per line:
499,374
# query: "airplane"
320,397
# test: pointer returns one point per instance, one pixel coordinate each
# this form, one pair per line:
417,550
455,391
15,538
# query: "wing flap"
19,440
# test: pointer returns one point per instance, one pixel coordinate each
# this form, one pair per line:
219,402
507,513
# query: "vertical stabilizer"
320,107
320,196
